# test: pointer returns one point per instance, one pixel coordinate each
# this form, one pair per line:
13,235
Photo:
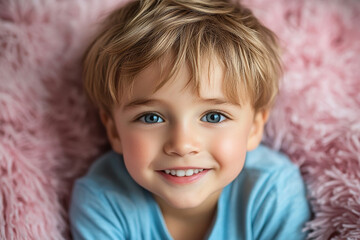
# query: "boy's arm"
285,209
91,216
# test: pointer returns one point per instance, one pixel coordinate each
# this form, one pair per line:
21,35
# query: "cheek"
138,150
229,149
230,142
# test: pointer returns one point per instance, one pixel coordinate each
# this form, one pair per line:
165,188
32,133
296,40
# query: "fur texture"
316,118
50,134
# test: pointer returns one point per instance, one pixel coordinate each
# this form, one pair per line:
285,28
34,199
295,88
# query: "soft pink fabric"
316,120
49,133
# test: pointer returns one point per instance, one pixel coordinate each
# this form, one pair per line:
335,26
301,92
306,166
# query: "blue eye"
213,117
151,118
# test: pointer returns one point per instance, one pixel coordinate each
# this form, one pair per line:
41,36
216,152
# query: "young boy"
184,89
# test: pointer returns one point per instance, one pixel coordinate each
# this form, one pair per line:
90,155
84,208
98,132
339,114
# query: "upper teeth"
182,173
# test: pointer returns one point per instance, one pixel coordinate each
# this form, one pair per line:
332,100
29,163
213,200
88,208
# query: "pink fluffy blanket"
49,133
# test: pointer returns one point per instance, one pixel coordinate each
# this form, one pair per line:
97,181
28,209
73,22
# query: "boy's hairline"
170,76
103,104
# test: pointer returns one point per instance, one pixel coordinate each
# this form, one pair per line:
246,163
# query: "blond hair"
142,32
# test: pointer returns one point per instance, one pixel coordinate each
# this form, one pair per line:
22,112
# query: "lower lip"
185,179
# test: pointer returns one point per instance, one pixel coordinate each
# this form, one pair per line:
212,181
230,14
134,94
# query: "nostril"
180,151
182,141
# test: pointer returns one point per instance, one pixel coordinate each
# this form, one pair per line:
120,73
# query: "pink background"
50,134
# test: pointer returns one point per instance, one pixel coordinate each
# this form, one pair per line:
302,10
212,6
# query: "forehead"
209,84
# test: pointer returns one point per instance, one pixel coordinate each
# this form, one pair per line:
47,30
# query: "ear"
257,129
111,131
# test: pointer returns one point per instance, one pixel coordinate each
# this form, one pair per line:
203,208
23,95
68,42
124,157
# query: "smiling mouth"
183,173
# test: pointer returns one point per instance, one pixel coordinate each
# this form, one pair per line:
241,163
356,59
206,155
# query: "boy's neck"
192,223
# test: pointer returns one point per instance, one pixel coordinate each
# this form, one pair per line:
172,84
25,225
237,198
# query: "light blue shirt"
266,201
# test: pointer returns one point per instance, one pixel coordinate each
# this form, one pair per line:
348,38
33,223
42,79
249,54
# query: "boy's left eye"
213,117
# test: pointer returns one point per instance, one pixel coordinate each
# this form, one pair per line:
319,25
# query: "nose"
183,140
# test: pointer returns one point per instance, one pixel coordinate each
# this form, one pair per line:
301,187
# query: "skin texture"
183,137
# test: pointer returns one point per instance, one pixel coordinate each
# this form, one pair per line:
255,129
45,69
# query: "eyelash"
222,115
142,116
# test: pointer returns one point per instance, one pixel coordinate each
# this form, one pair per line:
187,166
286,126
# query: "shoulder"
269,168
108,174
272,173
267,160
108,181
107,202
276,194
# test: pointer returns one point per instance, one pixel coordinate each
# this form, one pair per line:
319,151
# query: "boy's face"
174,132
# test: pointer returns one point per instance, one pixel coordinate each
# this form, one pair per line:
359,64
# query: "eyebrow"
218,101
147,102
141,102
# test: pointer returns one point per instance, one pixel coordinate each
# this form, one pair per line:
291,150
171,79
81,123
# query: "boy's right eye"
151,118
